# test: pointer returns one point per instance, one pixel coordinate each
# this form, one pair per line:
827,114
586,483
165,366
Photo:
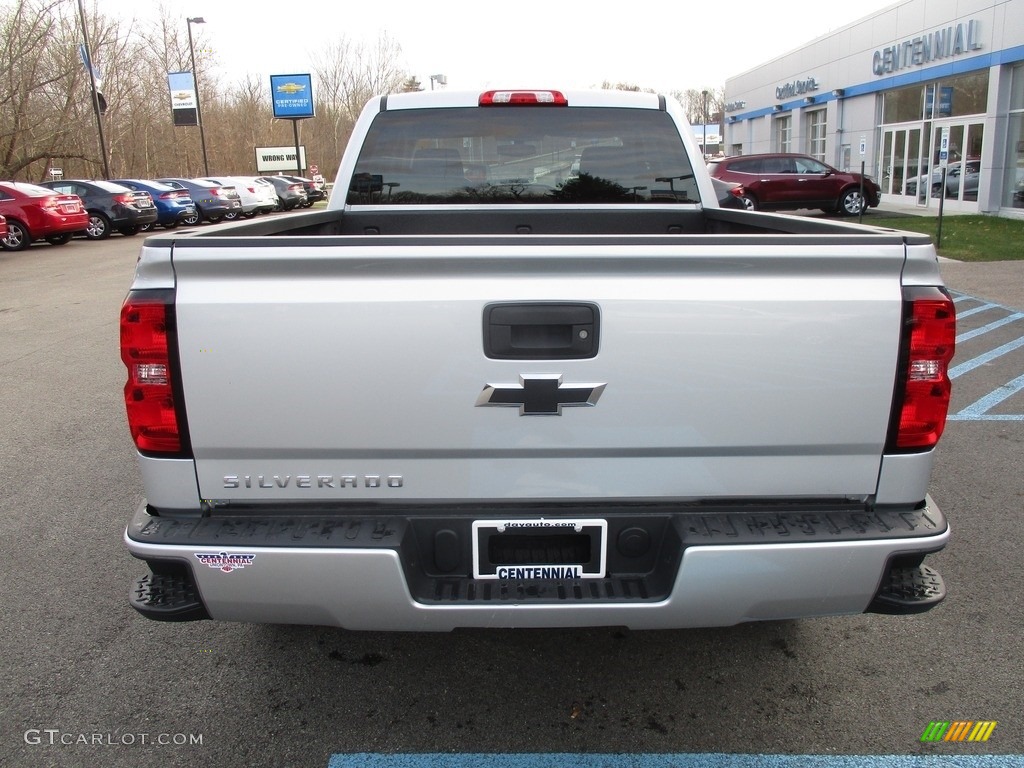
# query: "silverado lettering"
772,389
310,481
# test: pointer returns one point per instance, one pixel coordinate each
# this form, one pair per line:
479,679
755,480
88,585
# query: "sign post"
863,154
293,100
943,164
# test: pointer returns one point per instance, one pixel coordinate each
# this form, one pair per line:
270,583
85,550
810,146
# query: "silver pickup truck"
525,372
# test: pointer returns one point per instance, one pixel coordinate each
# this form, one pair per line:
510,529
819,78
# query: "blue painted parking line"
990,327
976,362
685,760
976,310
977,411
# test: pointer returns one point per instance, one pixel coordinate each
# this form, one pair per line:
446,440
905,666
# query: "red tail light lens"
125,198
155,415
518,98
923,387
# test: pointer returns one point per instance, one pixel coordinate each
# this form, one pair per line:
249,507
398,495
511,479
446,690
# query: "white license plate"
544,549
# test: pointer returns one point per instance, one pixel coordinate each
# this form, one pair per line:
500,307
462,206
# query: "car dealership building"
928,94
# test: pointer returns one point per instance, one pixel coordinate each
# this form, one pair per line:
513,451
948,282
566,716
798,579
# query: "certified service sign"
293,96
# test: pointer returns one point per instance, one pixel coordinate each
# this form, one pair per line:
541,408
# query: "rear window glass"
108,186
32,190
501,155
746,166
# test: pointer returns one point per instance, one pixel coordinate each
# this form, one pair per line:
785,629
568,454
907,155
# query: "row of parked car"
55,211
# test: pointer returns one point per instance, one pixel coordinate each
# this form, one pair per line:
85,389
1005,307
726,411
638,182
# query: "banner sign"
277,159
292,95
184,104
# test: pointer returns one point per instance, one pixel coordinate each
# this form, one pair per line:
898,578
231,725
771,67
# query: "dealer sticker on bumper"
546,549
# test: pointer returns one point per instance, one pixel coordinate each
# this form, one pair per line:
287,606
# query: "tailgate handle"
541,331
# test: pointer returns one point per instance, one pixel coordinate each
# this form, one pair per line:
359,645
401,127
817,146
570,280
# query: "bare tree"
38,118
347,76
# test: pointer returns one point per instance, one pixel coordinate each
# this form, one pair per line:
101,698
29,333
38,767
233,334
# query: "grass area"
965,238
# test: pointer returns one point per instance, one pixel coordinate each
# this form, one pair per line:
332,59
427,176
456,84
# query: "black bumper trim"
645,545
698,524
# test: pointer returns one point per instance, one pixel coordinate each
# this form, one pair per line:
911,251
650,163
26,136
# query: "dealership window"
784,134
951,97
1013,186
816,134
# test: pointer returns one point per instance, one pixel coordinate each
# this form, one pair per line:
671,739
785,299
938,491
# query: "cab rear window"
503,155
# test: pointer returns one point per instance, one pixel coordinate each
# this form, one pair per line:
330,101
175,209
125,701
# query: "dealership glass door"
902,156
963,166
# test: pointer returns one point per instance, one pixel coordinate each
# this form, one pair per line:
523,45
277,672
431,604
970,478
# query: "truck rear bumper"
369,575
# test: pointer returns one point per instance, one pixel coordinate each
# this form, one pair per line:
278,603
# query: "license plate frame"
584,540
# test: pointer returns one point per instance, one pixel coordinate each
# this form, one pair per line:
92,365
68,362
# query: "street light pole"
195,78
95,96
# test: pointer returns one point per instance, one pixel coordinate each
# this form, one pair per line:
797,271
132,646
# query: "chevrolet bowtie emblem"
540,395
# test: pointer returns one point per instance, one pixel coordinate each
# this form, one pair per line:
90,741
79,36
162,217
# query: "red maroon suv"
785,181
35,213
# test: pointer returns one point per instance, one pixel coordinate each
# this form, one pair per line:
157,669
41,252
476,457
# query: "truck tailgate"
352,371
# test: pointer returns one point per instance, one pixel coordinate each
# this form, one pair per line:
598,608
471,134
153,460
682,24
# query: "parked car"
267,193
290,194
313,191
246,190
729,193
212,200
173,206
787,181
3,228
37,213
967,173
110,206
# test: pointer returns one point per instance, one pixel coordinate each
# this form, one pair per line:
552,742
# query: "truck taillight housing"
152,394
923,387
523,98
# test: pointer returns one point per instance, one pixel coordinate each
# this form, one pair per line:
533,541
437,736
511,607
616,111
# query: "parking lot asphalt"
1000,282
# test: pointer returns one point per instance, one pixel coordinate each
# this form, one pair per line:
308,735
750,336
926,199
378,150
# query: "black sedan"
110,206
313,192
290,194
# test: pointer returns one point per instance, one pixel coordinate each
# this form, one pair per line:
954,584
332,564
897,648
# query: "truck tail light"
152,394
923,387
518,98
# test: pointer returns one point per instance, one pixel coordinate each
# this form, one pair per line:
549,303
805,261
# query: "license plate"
539,549
69,208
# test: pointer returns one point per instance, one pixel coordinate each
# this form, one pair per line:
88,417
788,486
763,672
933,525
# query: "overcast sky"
665,46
